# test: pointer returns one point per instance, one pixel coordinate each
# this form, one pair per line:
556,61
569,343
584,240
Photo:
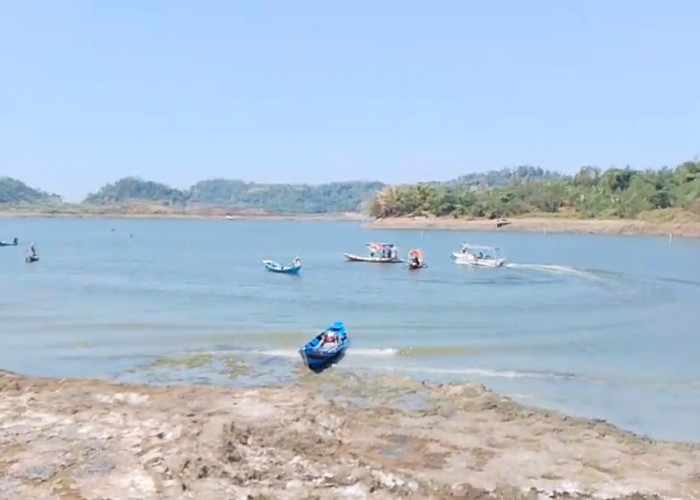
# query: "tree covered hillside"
503,177
134,189
238,195
591,193
14,192
335,197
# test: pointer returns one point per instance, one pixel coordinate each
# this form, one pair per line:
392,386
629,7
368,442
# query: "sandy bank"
552,225
351,438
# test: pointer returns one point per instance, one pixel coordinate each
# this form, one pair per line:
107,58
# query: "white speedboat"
479,256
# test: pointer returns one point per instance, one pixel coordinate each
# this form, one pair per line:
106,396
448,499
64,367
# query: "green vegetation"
14,192
659,195
335,197
591,193
134,194
135,190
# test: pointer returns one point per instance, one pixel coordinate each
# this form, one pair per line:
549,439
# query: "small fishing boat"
12,243
416,260
381,253
31,258
479,256
327,348
276,267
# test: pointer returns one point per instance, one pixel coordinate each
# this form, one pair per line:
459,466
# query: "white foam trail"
388,352
293,353
483,372
557,269
279,353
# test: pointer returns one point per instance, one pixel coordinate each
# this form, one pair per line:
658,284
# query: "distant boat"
327,348
12,243
479,256
381,253
232,217
31,255
276,267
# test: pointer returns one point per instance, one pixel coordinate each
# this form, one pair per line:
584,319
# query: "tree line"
590,193
233,195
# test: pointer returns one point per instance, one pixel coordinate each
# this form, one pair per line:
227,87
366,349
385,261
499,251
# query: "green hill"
335,197
238,195
14,192
134,189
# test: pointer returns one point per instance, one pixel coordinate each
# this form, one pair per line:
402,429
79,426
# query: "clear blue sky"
314,91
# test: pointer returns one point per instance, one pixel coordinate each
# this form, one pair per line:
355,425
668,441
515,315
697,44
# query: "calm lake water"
598,326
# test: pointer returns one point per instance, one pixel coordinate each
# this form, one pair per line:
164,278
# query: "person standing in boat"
32,250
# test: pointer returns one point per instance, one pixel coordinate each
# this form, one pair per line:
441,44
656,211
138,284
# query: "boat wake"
483,372
294,353
557,269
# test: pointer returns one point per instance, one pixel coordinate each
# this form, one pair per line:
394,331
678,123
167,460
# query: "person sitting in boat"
329,339
416,261
15,241
297,262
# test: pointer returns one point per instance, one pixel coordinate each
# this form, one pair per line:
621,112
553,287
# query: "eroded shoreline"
546,225
689,229
330,436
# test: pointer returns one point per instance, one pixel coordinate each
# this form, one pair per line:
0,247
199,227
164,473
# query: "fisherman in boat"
32,250
416,261
15,241
329,339
297,262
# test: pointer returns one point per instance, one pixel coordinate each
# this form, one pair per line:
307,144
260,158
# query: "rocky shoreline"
323,437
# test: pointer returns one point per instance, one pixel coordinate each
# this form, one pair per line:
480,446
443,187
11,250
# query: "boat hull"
30,258
275,267
375,260
317,357
413,267
468,260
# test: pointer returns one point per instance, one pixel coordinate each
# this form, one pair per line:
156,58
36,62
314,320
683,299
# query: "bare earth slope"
543,224
350,438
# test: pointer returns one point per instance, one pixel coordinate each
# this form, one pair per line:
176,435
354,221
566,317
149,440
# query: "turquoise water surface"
598,326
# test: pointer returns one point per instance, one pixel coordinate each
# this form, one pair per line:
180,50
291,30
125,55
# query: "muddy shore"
523,224
546,225
324,437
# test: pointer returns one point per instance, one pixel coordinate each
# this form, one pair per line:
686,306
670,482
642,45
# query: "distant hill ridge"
525,189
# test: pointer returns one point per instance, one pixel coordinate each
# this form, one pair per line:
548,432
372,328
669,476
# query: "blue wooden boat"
276,267
321,352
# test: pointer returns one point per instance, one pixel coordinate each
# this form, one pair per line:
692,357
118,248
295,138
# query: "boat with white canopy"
479,256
